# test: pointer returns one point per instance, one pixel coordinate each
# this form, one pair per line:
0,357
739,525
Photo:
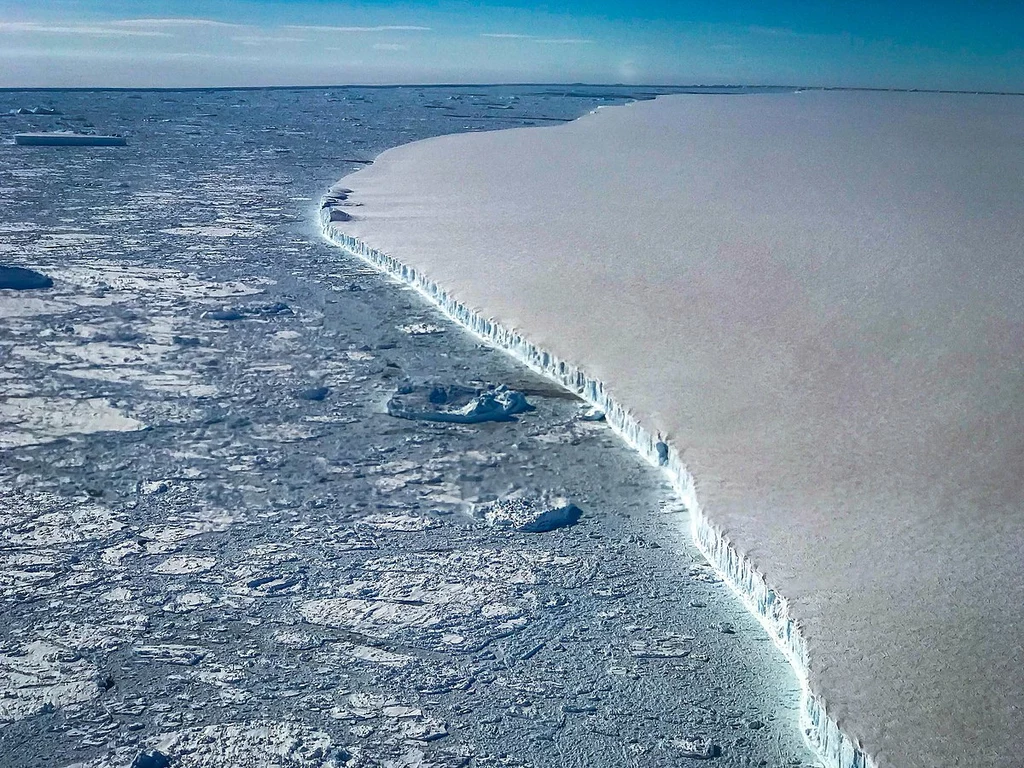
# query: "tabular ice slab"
532,515
810,304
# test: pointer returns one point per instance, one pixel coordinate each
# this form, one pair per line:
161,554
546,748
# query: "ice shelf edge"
833,747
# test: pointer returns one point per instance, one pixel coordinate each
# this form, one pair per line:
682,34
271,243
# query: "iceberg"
457,405
836,748
806,309
531,514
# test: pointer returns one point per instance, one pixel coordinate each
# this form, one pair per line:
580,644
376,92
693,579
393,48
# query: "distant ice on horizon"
819,299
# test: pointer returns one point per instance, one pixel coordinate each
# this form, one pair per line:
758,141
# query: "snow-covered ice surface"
217,545
816,299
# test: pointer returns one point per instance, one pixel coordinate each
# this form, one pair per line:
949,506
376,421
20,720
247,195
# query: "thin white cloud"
390,47
177,22
98,54
260,40
386,28
774,31
535,39
93,30
191,56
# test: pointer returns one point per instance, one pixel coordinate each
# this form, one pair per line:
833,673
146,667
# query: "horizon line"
383,86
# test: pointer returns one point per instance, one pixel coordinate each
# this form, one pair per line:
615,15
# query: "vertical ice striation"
835,748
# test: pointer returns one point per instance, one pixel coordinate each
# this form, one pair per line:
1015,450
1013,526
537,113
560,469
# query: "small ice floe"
28,421
400,522
456,404
181,565
230,314
537,514
21,279
265,742
671,646
214,230
42,676
697,748
152,487
336,196
591,414
226,315
34,111
421,329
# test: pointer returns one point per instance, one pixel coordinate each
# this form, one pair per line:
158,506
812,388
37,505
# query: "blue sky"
977,45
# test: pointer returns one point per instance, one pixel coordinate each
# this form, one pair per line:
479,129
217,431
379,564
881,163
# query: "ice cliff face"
835,748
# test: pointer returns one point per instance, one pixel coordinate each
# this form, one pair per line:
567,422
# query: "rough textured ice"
457,405
151,580
531,514
814,302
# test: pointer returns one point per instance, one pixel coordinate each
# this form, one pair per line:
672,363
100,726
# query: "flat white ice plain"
817,298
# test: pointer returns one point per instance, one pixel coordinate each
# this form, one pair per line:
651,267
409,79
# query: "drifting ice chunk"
532,515
697,748
34,111
459,405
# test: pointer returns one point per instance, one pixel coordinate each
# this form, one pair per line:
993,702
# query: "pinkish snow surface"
818,298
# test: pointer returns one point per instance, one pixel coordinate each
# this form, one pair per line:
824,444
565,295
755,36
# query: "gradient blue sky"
912,44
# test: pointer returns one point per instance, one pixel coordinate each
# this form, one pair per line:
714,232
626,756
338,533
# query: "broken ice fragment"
531,515
277,308
421,329
21,279
225,315
460,405
697,748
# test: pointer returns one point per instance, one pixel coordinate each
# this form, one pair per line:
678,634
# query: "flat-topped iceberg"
809,303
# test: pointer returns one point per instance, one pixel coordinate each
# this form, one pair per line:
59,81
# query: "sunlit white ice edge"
834,748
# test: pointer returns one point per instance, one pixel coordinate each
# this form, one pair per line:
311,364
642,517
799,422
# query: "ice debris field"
219,545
